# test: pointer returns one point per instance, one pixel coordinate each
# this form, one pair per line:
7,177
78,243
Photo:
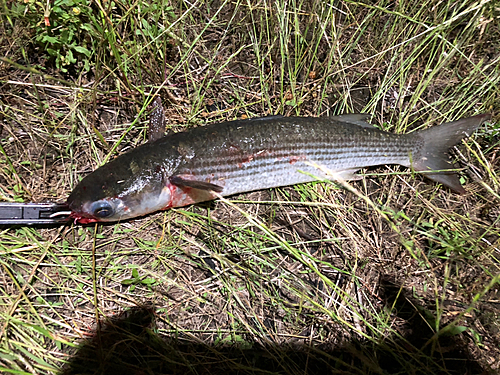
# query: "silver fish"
247,155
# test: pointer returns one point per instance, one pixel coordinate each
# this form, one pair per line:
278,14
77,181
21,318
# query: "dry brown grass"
399,276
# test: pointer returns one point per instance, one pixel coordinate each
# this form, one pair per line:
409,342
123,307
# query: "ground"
389,274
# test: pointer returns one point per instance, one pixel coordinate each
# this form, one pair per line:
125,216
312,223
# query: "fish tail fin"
437,142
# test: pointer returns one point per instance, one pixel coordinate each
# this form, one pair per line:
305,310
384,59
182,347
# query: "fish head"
118,191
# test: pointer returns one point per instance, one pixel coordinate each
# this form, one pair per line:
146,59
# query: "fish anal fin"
195,184
346,175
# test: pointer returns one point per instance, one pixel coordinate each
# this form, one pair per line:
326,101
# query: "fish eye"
102,209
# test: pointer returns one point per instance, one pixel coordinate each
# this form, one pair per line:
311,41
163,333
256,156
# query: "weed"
383,275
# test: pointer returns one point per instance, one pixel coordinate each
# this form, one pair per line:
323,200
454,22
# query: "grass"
384,275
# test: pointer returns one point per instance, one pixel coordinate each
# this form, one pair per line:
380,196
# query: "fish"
240,156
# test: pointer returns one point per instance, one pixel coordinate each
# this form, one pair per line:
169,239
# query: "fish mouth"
80,218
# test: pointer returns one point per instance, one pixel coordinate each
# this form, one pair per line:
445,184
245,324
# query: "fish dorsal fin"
156,121
356,119
266,118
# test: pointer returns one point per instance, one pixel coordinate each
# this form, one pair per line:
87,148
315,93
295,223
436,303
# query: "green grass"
384,275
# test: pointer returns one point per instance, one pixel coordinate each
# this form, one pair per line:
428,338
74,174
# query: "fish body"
247,155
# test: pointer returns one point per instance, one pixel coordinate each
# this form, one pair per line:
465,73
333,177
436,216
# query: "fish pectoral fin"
202,185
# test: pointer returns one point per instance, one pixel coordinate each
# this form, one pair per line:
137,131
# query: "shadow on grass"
128,345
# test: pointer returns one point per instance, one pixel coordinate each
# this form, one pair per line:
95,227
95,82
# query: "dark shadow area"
128,344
